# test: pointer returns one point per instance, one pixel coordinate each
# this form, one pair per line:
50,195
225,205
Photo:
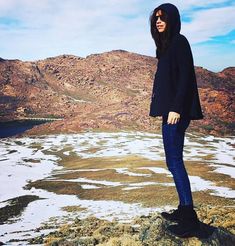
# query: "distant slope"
111,90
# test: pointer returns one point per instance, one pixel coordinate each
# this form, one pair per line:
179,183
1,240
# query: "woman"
175,97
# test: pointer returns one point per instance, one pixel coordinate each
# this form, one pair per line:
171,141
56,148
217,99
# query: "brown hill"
111,90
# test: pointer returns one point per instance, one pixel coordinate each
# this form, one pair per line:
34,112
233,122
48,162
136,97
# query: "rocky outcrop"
108,91
215,229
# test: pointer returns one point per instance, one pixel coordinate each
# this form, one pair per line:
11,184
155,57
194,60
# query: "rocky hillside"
106,91
145,230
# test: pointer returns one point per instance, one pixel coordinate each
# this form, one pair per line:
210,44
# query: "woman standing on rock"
175,97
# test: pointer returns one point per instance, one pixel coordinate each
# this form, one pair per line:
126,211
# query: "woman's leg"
173,140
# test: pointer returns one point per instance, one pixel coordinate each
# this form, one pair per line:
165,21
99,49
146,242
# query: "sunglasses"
162,18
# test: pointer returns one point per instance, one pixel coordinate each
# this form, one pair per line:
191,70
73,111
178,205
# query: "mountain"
107,91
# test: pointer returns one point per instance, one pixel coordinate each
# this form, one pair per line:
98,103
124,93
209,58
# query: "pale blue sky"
36,29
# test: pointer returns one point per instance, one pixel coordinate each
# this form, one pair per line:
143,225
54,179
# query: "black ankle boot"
188,224
174,216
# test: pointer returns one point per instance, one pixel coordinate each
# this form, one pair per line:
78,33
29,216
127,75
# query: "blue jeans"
173,141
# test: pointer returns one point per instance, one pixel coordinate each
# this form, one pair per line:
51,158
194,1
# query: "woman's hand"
173,117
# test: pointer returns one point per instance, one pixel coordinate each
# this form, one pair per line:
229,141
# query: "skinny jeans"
173,141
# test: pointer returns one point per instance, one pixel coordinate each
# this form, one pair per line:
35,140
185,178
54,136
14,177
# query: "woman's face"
160,24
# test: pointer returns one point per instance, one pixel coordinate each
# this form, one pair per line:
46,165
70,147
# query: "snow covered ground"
23,160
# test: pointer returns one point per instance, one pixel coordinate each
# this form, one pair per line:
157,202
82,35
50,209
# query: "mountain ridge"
110,90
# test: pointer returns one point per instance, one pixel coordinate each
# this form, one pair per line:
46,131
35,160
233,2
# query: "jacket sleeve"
184,60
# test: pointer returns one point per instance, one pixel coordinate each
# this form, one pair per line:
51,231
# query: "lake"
11,128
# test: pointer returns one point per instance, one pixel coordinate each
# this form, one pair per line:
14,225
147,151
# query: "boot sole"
168,219
192,233
188,234
171,220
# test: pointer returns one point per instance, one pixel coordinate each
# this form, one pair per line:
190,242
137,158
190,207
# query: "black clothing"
175,87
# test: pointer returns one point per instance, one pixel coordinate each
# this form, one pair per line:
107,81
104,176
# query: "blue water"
11,128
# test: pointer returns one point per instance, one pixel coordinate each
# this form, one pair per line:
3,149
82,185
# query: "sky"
36,29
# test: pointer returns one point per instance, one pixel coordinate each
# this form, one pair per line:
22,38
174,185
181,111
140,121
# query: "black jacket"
175,87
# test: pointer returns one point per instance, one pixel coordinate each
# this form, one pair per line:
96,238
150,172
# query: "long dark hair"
162,40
